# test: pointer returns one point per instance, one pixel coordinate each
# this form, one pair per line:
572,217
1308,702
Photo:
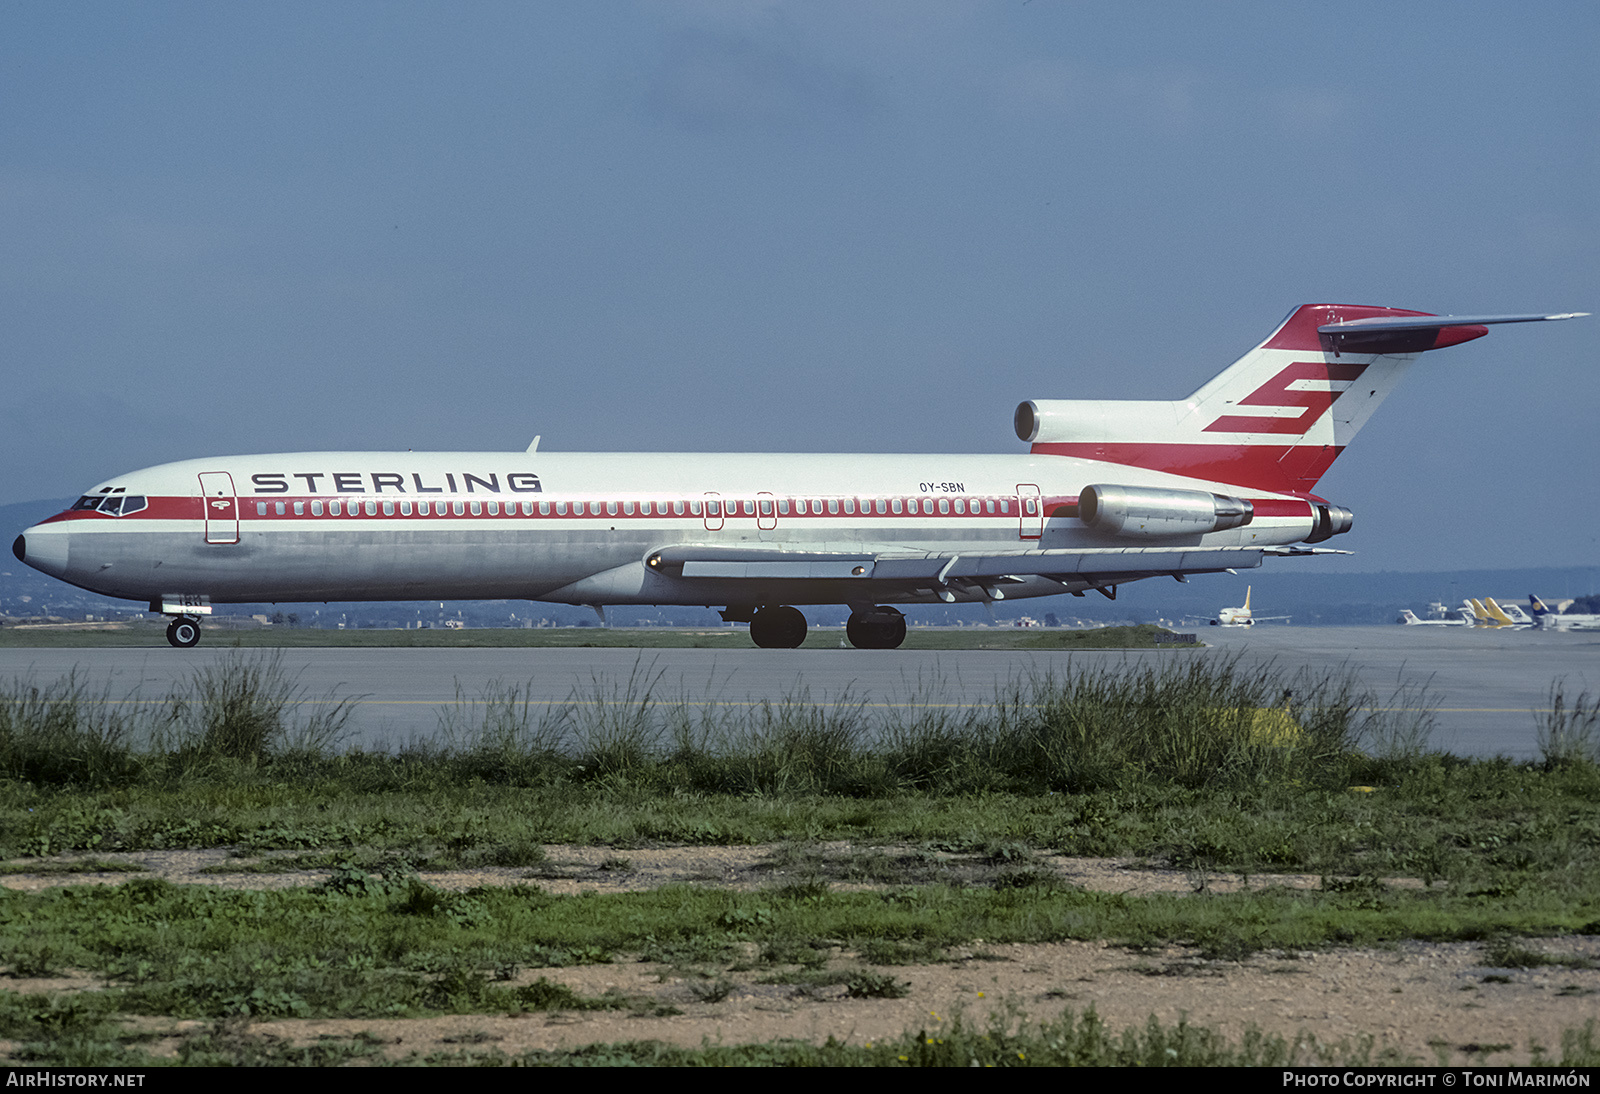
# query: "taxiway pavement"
1486,687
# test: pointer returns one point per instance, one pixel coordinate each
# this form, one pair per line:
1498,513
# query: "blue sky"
813,226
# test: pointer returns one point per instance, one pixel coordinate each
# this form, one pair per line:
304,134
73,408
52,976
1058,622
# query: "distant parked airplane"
1546,619
1410,620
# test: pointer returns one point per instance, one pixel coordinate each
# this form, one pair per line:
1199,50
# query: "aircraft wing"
893,566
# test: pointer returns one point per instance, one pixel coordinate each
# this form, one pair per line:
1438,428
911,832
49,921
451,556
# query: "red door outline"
222,507
1030,509
713,514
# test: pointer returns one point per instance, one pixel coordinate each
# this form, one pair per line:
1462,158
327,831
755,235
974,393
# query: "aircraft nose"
45,549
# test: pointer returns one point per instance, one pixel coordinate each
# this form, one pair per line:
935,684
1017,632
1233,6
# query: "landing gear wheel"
882,628
184,632
778,628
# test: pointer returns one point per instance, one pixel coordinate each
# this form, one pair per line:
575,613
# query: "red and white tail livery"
1109,492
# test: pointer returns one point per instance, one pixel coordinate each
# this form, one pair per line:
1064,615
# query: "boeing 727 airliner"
1109,492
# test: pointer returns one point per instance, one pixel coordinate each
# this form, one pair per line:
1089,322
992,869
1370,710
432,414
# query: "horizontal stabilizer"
1436,322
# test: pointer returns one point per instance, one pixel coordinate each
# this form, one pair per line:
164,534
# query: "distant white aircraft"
1242,617
1409,619
1546,619
1109,492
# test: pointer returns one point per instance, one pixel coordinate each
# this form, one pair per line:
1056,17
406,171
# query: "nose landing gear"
184,632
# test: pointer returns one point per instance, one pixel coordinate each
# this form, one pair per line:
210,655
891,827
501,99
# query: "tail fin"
1497,613
1275,419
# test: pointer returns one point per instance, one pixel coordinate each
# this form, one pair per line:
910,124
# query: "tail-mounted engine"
1150,511
1328,521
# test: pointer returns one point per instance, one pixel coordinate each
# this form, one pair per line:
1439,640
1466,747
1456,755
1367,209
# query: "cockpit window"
114,504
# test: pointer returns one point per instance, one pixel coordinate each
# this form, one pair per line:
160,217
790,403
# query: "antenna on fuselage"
534,447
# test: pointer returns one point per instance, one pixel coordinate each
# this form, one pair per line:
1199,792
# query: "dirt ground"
1430,1002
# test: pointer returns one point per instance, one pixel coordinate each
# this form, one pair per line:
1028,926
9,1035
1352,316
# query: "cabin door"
1031,509
222,507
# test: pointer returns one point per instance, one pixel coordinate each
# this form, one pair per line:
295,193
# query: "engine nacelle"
1151,511
1328,521
1045,421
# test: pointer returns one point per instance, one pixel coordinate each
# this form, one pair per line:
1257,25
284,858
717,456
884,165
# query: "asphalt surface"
1485,687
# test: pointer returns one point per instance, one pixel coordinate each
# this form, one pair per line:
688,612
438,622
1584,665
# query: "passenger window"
894,505
280,508
833,506
372,508
850,506
405,509
627,508
544,509
335,509
677,508
561,508
694,508
611,508
388,508
316,508
944,505
458,508
299,508
988,506
766,507
261,508
494,509
422,508
961,506
477,508
783,507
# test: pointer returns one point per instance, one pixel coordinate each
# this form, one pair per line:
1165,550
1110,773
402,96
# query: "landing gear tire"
778,628
880,629
183,633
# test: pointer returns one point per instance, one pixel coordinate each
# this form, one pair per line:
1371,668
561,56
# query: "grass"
1201,766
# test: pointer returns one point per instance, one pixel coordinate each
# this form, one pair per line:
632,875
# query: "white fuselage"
584,529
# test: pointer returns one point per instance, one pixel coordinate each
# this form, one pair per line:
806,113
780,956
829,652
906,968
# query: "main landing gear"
778,627
184,632
878,628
